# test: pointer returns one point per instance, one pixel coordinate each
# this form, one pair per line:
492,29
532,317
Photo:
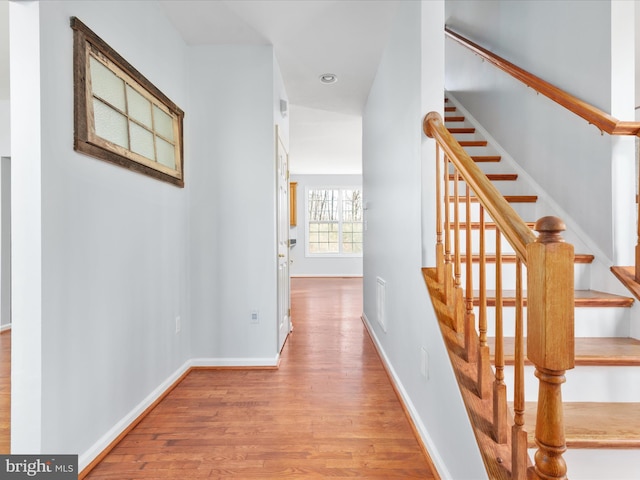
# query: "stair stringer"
600,276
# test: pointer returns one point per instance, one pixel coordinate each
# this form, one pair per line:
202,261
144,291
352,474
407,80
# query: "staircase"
602,394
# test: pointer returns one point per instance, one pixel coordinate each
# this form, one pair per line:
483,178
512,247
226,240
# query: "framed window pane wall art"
120,116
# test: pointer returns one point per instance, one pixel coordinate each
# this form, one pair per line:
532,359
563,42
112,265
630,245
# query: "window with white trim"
333,221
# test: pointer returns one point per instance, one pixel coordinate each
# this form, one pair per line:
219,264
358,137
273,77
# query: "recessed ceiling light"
328,78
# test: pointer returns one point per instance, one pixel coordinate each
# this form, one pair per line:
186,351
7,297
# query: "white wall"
100,253
5,242
5,128
233,195
395,157
313,266
106,260
5,174
565,155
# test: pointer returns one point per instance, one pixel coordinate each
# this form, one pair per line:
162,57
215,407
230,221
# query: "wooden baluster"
519,457
499,387
470,339
483,350
550,339
458,305
439,245
637,271
448,270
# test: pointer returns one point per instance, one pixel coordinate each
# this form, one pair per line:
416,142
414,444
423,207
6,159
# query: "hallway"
328,411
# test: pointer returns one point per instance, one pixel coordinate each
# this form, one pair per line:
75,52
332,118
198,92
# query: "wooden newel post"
550,338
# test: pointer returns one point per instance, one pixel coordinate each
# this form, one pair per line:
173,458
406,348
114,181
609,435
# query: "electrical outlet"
424,363
178,325
255,316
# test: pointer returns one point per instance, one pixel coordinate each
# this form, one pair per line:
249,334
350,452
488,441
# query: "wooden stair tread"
486,158
494,176
488,225
592,351
594,424
508,198
627,276
454,118
502,176
491,258
450,109
583,298
473,143
461,130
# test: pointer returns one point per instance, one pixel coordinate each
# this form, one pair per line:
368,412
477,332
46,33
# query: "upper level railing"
600,119
591,114
550,302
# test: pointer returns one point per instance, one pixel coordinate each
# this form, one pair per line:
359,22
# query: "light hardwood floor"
329,410
5,392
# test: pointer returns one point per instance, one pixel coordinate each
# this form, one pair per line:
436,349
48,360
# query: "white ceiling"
310,37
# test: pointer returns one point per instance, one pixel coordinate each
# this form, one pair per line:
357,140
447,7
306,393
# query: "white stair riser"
505,187
484,150
589,321
527,211
602,463
581,276
585,384
491,167
461,137
489,242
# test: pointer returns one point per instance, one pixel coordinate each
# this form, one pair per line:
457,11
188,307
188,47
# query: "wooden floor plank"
328,411
5,392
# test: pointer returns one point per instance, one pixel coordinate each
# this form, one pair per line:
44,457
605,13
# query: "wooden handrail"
595,116
514,229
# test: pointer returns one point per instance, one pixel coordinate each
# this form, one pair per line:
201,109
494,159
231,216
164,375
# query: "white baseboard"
114,432
103,443
319,275
235,362
4,328
438,463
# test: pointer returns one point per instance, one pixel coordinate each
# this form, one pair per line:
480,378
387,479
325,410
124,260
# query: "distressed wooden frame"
86,44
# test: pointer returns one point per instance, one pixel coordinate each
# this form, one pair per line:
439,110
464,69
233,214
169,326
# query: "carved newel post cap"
550,229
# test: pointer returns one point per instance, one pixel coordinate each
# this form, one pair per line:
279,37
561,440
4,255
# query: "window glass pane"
352,205
163,123
141,141
139,107
110,125
323,205
166,153
323,238
107,85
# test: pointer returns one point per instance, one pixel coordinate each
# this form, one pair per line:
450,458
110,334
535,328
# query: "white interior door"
284,310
